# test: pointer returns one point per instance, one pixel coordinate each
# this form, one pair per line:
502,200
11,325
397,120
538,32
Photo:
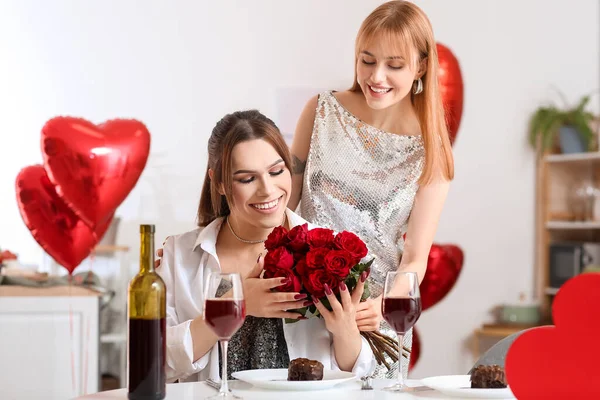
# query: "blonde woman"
376,159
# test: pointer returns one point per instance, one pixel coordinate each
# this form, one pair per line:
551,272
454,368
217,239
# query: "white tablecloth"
347,391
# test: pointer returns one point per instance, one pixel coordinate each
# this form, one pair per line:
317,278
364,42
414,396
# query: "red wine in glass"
224,313
401,312
401,308
224,316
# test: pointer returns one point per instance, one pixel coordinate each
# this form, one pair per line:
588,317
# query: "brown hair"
405,26
232,129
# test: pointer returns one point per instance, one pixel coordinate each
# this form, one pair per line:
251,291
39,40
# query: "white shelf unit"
569,158
113,338
573,225
113,342
558,175
551,291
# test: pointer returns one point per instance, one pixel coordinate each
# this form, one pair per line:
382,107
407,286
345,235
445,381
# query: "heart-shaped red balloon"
94,167
64,236
443,268
451,88
561,361
415,351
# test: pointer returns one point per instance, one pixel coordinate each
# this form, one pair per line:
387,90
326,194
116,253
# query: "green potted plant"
572,125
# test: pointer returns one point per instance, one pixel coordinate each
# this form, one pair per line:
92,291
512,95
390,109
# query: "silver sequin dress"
364,180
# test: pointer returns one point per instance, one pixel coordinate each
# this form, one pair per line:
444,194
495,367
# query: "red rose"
315,258
339,263
301,268
279,258
320,237
293,281
316,279
352,244
300,255
277,238
297,239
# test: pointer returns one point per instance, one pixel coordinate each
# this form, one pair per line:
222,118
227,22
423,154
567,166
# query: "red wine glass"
401,308
224,313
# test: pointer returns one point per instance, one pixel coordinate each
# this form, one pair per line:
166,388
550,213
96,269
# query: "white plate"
460,386
277,379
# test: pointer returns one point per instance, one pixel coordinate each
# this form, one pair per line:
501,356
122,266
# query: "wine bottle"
147,326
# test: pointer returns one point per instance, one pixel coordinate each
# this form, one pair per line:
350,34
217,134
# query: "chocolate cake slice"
303,369
488,377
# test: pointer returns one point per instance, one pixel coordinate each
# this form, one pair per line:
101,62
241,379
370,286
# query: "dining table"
345,391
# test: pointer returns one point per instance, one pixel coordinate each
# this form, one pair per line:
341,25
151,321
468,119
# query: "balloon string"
86,357
87,334
92,257
72,334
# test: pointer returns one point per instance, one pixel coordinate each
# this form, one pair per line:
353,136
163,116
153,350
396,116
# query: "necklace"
239,238
244,240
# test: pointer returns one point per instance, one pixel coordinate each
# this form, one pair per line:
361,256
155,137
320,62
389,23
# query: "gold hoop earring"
418,86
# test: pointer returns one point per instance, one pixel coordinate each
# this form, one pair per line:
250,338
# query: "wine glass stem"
224,387
400,374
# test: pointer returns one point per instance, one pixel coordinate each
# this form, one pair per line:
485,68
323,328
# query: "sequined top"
361,179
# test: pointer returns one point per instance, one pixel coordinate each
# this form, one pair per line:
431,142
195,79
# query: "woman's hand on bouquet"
261,301
341,320
368,315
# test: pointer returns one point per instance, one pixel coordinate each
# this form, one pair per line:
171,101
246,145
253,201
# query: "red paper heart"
451,88
561,361
52,223
94,167
443,268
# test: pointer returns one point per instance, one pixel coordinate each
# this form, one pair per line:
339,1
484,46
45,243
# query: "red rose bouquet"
309,259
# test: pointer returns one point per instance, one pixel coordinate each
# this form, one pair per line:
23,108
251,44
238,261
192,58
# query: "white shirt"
187,260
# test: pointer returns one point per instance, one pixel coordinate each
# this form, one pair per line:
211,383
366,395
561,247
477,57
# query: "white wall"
180,66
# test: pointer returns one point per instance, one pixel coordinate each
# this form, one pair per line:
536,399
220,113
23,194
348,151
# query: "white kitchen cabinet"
49,340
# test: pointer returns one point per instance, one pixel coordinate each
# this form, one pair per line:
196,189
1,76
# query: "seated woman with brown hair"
244,197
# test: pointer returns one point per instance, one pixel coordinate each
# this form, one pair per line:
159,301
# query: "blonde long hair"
406,28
